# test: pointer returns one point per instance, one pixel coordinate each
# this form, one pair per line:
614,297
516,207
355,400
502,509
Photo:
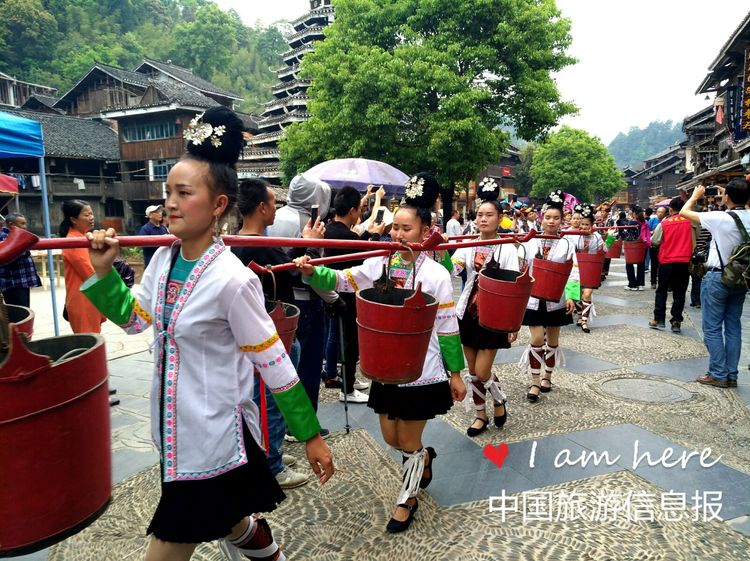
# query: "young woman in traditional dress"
404,409
544,318
211,332
480,344
589,243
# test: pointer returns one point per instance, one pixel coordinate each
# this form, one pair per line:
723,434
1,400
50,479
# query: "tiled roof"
74,137
185,75
41,102
177,92
131,78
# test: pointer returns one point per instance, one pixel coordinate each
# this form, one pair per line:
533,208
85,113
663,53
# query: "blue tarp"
20,138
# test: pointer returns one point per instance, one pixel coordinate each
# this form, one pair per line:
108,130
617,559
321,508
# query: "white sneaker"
355,397
640,288
288,460
361,385
289,479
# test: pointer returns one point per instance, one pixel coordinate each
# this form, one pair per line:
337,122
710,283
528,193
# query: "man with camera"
721,305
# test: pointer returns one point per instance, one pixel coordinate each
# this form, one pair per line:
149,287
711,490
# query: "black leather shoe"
533,397
472,432
395,526
425,481
500,419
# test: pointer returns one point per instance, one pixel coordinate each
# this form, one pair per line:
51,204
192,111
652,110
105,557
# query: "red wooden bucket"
502,298
590,267
285,317
22,318
394,326
615,250
635,252
55,451
550,278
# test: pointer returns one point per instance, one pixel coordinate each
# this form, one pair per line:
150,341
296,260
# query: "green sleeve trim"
323,278
573,290
298,412
453,354
447,262
111,297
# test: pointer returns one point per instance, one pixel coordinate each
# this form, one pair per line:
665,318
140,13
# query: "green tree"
27,33
523,170
425,85
206,44
572,160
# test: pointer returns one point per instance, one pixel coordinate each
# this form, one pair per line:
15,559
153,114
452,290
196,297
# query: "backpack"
736,273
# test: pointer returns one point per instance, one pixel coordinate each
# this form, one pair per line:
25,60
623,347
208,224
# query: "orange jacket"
82,315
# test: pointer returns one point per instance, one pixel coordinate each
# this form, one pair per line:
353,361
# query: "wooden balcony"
138,191
162,149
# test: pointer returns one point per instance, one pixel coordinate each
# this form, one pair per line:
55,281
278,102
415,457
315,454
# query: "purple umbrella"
359,173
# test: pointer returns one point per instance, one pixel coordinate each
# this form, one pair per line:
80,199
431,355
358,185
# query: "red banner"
507,172
745,112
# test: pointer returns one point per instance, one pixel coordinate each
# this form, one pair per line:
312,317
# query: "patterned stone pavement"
345,519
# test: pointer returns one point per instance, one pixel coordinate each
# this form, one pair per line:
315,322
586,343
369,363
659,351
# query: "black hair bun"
488,189
216,136
422,191
585,210
556,199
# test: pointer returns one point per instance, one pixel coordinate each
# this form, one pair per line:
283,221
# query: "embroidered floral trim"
446,305
141,313
352,282
286,387
414,187
197,132
270,363
260,347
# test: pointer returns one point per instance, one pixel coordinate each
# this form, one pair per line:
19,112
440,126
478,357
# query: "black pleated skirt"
206,510
555,318
477,337
410,403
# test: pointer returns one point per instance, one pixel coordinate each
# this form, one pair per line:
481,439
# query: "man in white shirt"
454,228
721,306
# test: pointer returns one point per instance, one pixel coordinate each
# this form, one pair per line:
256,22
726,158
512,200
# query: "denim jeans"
310,334
721,308
276,429
332,349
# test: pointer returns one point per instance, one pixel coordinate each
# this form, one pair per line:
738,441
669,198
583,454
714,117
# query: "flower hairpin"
556,196
488,184
414,187
197,132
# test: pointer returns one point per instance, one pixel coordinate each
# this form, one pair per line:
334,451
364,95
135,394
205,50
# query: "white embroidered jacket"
218,334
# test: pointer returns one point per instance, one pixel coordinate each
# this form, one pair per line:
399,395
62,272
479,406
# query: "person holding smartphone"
343,317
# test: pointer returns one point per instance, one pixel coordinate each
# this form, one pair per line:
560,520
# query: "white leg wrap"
531,351
492,386
413,468
589,311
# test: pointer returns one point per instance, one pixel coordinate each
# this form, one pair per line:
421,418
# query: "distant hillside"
632,148
54,42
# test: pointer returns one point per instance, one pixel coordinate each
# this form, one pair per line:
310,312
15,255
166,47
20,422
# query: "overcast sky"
639,60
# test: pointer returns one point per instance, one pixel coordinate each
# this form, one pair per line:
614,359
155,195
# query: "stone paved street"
625,390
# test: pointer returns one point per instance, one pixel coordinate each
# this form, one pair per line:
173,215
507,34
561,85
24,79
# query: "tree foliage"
638,144
54,42
524,182
572,160
426,85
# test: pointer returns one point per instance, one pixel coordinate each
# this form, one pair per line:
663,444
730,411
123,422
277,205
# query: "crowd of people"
215,340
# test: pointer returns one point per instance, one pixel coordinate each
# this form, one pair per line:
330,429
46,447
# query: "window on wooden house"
149,131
